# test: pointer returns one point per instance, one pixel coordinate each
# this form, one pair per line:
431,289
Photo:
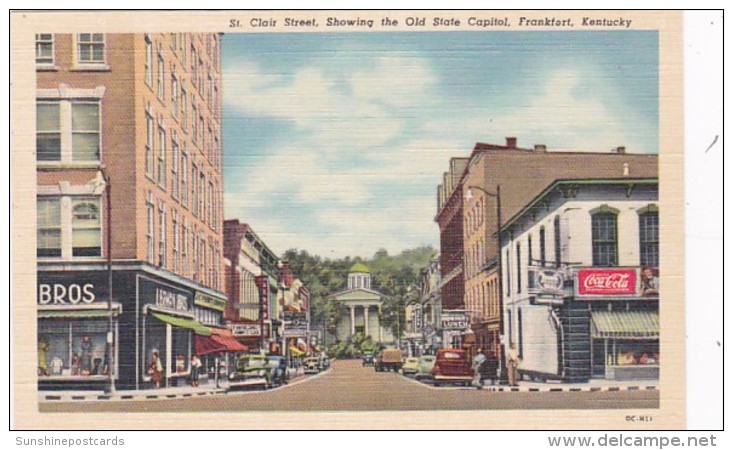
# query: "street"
348,386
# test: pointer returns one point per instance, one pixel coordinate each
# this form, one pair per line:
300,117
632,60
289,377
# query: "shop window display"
154,338
71,348
636,353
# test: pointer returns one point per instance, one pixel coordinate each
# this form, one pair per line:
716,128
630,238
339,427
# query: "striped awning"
625,324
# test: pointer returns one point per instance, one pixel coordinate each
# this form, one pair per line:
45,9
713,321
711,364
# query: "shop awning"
181,322
625,324
75,314
220,341
295,351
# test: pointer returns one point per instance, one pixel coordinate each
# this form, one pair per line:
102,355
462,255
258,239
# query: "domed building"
363,308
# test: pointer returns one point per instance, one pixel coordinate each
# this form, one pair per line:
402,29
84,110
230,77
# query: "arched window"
87,230
604,238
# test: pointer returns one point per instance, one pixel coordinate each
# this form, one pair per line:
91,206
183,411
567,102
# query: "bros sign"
63,294
606,282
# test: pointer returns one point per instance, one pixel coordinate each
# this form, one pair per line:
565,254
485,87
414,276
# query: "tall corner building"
129,166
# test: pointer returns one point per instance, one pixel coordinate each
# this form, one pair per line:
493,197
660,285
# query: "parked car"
279,370
410,366
452,367
312,365
251,370
388,359
425,367
324,362
367,359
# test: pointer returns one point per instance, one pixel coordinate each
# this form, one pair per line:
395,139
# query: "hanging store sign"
295,324
245,329
454,320
543,281
263,285
606,282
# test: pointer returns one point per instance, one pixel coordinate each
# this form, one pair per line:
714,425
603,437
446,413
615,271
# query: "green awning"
74,313
625,324
181,322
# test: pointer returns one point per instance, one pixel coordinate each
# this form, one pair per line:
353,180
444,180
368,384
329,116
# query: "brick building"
509,175
136,119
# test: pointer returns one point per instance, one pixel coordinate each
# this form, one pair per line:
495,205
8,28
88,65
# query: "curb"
547,388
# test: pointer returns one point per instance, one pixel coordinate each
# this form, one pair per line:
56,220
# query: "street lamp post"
104,181
497,196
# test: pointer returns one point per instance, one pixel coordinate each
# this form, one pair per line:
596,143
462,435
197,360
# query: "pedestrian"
86,355
513,360
195,366
490,368
155,370
477,364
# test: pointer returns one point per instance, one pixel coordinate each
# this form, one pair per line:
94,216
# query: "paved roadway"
350,387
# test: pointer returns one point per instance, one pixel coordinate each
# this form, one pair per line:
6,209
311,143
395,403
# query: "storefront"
153,312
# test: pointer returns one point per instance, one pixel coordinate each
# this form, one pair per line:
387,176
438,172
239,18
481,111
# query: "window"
211,205
48,132
519,268
49,227
649,239
151,232
176,241
194,58
529,250
558,242
194,189
174,93
149,144
175,157
44,48
202,196
201,77
82,131
543,255
184,108
148,61
86,233
604,240
194,121
85,131
508,275
90,48
162,241
520,338
184,178
161,75
68,227
161,157
184,248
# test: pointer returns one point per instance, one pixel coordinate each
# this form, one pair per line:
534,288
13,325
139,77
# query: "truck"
388,359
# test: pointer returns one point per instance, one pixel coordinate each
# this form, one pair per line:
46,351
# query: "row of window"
483,299
194,254
604,242
89,48
475,259
475,217
199,193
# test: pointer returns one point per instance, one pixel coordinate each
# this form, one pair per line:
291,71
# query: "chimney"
619,150
511,142
540,148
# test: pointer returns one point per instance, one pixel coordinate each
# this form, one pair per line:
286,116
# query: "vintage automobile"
279,370
367,359
425,367
410,366
452,367
324,362
251,371
312,365
388,359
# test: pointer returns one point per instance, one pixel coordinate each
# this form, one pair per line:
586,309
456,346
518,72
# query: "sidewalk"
591,386
179,392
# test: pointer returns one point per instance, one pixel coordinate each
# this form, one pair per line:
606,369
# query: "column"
353,321
366,320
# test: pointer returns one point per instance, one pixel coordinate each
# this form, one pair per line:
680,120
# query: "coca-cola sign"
607,282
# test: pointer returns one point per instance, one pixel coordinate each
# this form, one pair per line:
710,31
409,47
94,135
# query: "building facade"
431,307
498,180
128,128
363,308
581,280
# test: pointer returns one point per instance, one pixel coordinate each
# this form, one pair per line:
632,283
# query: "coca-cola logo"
607,281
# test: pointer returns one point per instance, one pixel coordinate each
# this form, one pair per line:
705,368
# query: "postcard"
348,220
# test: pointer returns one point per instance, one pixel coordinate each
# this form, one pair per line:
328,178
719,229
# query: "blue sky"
335,142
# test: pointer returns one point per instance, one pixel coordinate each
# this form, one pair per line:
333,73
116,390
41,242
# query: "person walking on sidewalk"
195,367
477,366
513,360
